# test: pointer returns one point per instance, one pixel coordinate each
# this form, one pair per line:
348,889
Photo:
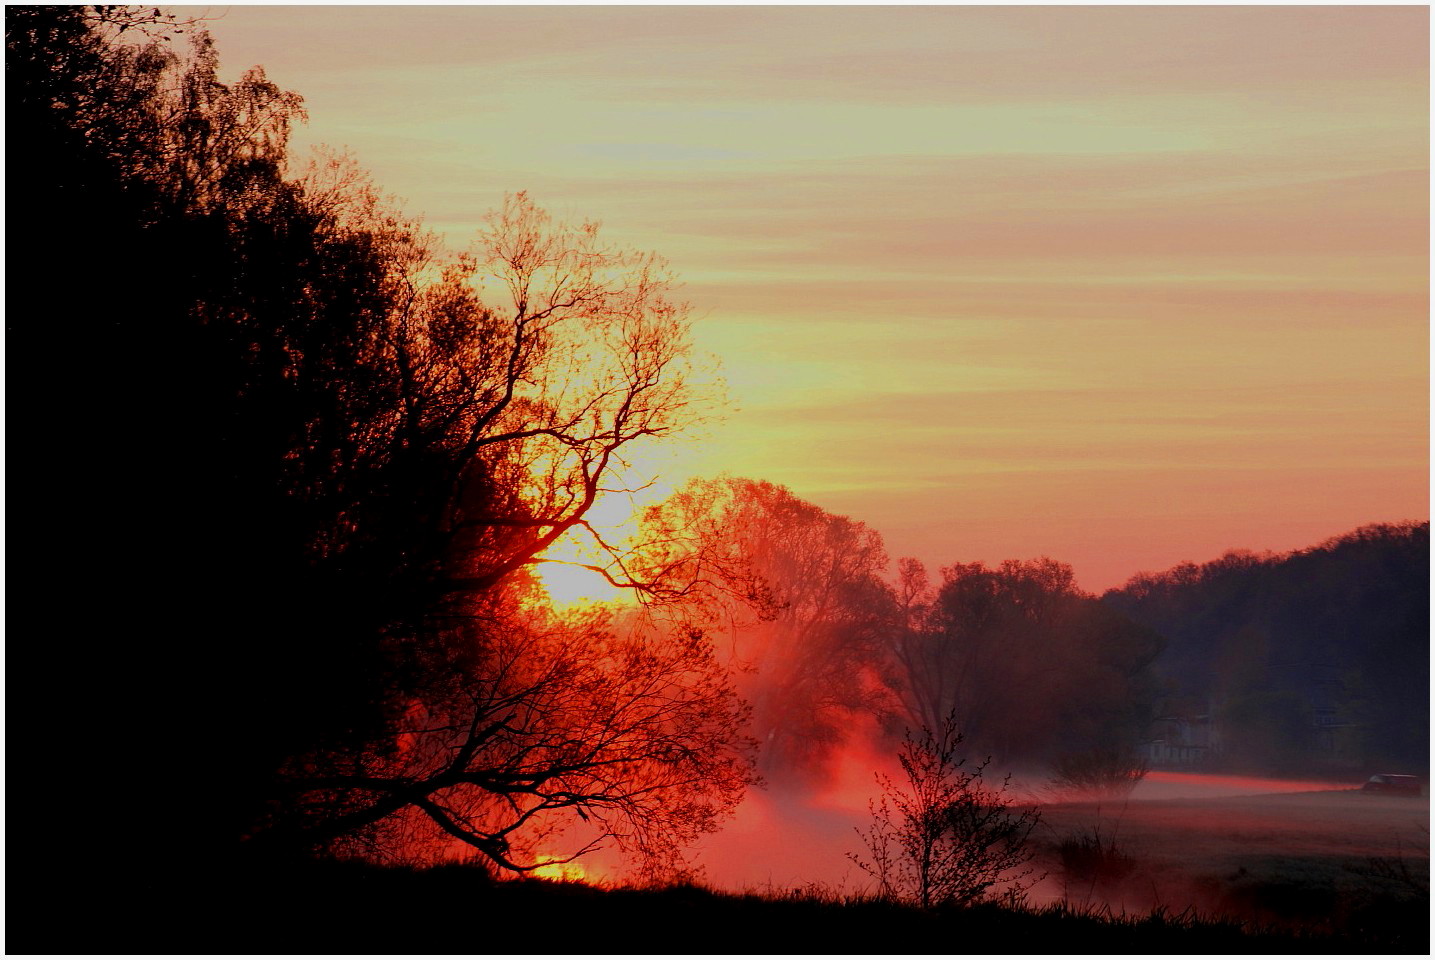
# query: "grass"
1088,858
330,908
1338,872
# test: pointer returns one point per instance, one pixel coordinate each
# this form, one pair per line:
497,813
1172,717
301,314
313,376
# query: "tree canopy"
1029,665
336,451
1292,650
794,596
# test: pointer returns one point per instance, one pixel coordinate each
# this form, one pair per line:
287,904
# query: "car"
1393,783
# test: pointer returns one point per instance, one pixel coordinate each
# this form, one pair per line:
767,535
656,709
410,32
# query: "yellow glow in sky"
1124,286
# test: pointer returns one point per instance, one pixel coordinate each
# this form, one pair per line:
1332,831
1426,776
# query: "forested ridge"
1335,635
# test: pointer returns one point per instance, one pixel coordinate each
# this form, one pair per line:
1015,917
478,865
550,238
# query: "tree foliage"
944,837
329,451
1030,665
793,593
1273,643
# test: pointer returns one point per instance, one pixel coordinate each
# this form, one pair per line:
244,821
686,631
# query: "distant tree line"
1307,657
1305,662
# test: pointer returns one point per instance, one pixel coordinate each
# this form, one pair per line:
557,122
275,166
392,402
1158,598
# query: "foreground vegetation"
351,908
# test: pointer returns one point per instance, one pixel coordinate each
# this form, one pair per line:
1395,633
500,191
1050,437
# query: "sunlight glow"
649,475
571,586
1119,302
562,871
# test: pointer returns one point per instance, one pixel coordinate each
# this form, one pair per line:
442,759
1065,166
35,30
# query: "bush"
944,837
1100,773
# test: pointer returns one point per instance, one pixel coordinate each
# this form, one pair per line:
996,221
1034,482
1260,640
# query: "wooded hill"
1314,659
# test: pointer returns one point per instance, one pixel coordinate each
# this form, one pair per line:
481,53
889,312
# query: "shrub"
944,837
1099,773
1089,858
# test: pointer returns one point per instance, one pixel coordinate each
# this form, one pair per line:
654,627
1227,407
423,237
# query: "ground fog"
1307,854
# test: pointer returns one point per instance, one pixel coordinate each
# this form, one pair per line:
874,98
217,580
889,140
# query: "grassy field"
353,910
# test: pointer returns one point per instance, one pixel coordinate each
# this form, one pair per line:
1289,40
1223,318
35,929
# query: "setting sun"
647,476
569,584
571,872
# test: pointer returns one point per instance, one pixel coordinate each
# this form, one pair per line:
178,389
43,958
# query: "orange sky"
1124,286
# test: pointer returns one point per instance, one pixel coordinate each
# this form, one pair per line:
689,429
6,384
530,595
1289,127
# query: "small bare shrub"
944,837
1100,773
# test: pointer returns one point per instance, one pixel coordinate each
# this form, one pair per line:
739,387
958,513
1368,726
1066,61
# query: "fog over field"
1257,848
1297,853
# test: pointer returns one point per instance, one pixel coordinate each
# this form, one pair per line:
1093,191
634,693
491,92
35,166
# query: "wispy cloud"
1108,283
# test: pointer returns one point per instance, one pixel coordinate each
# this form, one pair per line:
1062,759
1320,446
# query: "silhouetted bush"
944,838
1104,772
1091,859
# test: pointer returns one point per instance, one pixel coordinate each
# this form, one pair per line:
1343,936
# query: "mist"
1171,772
1310,854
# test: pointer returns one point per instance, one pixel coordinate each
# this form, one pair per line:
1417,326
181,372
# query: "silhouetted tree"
944,837
328,452
135,387
469,440
552,737
1030,665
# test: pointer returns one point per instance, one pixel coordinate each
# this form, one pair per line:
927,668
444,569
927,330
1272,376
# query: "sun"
565,570
569,585
642,480
562,871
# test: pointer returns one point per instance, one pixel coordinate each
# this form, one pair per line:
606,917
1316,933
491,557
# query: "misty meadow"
475,582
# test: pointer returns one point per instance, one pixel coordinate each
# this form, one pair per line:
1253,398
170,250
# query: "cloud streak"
1108,283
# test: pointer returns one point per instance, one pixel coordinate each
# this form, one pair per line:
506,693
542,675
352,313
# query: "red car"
1393,783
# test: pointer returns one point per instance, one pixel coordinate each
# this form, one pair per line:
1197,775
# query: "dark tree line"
1031,668
1319,654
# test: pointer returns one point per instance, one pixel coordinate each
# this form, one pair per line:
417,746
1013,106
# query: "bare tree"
945,837
1104,772
558,736
481,435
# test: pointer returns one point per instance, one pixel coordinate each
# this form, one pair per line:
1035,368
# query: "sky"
1122,286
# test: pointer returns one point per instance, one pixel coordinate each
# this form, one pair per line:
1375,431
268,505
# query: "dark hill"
1318,658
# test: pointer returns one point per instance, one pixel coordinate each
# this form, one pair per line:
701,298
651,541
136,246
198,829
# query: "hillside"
1315,658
